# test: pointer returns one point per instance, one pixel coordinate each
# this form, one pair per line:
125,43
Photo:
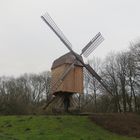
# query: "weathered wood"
73,81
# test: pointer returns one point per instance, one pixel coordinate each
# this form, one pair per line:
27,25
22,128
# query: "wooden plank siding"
73,82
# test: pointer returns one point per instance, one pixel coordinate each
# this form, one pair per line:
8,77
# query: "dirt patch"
124,124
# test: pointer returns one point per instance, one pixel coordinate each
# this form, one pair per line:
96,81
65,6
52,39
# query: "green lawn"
53,128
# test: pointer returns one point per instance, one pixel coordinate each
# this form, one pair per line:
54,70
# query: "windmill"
66,66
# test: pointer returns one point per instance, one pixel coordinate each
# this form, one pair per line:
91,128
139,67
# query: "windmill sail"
49,21
100,80
92,45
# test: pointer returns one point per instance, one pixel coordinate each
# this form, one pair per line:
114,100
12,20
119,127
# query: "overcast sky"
28,45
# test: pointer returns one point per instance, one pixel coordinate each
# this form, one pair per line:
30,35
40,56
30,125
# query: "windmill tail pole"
49,102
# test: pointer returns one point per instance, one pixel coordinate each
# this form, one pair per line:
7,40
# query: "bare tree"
135,84
91,86
109,73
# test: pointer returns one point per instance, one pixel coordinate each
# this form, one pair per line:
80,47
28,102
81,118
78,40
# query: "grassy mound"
53,128
124,124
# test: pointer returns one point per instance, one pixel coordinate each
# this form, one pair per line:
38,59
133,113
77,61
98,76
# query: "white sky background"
28,45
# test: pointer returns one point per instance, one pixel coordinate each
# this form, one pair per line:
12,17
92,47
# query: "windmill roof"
67,58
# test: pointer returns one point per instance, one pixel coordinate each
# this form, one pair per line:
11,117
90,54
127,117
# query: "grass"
53,128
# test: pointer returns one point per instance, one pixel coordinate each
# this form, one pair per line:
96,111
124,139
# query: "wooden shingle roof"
67,58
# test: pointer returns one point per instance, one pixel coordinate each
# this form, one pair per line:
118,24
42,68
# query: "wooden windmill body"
73,81
67,71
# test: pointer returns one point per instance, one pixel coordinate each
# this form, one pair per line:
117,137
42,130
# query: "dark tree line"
25,94
121,72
